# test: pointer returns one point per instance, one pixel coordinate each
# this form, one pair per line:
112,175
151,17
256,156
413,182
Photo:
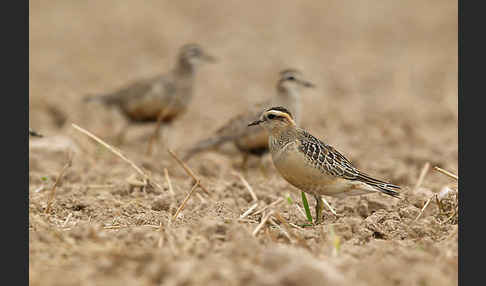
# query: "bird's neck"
280,137
184,69
289,97
287,91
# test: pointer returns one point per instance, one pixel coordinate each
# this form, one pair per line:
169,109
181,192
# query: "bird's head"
275,119
194,55
292,79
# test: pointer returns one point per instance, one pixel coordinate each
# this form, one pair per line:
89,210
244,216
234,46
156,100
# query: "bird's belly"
297,171
148,109
301,174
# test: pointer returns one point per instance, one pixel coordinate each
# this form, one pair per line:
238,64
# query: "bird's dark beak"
209,58
307,84
255,122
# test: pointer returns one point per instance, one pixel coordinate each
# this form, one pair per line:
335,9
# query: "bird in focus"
254,141
162,97
313,166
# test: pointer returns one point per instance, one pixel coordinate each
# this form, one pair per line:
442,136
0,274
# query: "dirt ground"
386,96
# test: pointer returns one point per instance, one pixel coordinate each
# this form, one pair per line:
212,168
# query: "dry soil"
386,96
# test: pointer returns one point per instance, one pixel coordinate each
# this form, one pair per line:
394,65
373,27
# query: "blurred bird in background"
161,98
254,141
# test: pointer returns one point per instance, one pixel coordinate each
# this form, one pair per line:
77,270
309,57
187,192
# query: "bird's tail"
206,144
382,186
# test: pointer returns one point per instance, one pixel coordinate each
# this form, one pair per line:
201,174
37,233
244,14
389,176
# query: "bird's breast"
299,172
148,108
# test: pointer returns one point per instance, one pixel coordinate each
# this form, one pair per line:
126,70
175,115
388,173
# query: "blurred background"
386,71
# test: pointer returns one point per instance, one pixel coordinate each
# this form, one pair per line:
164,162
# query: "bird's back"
248,140
255,140
310,164
144,99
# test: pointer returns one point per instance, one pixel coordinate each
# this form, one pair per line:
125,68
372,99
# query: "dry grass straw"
329,206
273,204
67,220
436,196
58,181
419,182
423,172
248,187
106,186
447,173
423,208
297,236
188,170
287,230
171,189
183,204
262,223
301,211
128,226
203,201
169,183
249,211
286,234
145,176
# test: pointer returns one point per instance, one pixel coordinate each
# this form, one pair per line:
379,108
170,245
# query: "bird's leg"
165,134
160,131
120,137
319,208
244,162
156,135
263,167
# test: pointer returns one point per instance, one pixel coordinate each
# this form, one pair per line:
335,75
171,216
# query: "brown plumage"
312,165
255,141
167,94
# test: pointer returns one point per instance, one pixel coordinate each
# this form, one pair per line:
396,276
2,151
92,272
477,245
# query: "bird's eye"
291,78
271,116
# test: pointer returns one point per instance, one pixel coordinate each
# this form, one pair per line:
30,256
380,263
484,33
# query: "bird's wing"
330,161
233,129
130,92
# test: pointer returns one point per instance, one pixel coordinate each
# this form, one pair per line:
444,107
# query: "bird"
313,166
34,133
162,97
254,141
